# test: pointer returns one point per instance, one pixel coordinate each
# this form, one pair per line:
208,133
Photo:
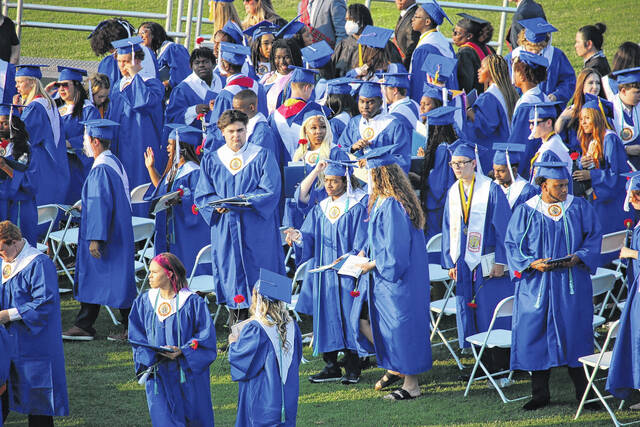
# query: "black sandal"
399,394
386,380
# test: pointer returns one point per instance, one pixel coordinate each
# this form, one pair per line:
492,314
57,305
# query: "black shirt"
8,38
598,63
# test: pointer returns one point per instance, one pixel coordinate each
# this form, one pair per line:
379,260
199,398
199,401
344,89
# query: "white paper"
487,262
351,266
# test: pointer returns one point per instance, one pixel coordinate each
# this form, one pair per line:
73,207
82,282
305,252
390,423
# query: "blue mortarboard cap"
552,170
188,134
472,18
434,10
533,60
464,149
234,31
431,91
370,90
312,113
236,54
124,46
274,287
317,55
302,75
597,103
441,115
29,70
438,67
396,80
261,28
339,166
500,155
546,110
5,109
536,29
290,29
396,67
380,156
101,128
628,75
375,36
339,86
70,73
633,183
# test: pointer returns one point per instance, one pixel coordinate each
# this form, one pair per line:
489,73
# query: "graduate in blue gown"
169,55
399,105
390,316
342,106
536,39
104,261
516,189
44,126
624,372
179,228
74,107
30,311
553,307
334,227
475,219
258,130
626,112
265,356
169,315
5,363
136,103
374,128
243,238
18,175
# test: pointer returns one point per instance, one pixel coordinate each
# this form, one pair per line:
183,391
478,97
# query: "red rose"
472,304
574,155
194,344
238,299
194,209
517,274
199,40
200,116
628,222
180,192
199,149
355,294
302,141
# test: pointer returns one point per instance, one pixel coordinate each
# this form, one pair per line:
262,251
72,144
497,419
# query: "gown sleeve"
606,182
500,216
199,356
445,258
97,212
143,357
268,190
521,248
394,234
141,95
566,77
247,356
42,288
205,191
589,251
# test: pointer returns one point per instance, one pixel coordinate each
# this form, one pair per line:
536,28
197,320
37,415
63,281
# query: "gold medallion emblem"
164,309
626,134
368,134
334,212
313,158
555,210
235,164
6,271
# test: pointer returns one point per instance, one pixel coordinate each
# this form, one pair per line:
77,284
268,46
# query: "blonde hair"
36,90
325,147
271,313
530,46
499,72
265,13
222,12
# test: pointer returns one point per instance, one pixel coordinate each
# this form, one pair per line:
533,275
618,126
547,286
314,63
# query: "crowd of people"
333,146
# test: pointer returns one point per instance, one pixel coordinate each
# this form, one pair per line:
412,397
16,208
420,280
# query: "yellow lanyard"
425,35
535,157
466,201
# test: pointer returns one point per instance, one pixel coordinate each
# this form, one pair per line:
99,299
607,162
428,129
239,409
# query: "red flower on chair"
238,299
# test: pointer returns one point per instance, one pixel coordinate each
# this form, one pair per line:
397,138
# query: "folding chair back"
138,193
204,282
46,214
435,243
203,257
603,283
295,289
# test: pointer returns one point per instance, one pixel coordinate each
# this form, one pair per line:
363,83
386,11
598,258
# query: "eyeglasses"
459,164
62,84
532,123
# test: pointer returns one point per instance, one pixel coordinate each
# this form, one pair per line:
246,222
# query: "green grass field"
100,375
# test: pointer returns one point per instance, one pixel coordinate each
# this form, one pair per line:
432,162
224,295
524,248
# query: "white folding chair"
65,237
142,232
602,283
597,362
295,289
138,193
146,254
46,214
204,282
621,269
492,338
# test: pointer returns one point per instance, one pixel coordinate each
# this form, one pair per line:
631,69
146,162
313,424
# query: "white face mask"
86,145
351,27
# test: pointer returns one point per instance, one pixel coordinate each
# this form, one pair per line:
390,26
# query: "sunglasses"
62,84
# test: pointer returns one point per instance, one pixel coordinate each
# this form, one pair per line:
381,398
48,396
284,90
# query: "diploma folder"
293,175
613,242
231,201
346,266
165,202
158,348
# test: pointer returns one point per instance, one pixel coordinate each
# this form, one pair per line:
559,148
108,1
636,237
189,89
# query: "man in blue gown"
30,312
505,170
553,307
374,128
398,103
243,238
475,219
104,261
258,130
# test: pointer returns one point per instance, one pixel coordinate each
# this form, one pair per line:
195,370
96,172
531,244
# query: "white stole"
514,190
288,134
550,210
334,209
24,258
54,118
284,357
186,169
236,161
200,88
476,220
621,125
437,40
253,121
166,307
403,108
108,159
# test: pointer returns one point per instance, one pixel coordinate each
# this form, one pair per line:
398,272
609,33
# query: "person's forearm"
15,54
154,176
305,187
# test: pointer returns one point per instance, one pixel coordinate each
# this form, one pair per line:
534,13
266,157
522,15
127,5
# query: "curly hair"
531,46
535,75
391,181
158,34
107,32
291,46
271,313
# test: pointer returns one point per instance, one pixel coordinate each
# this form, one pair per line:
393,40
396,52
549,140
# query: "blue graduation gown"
338,124
419,77
52,179
172,402
183,96
235,84
8,86
527,192
440,179
559,330
488,292
79,163
109,66
106,217
5,361
138,109
37,383
326,296
189,232
176,57
243,240
395,133
18,199
255,367
520,128
265,137
397,292
624,371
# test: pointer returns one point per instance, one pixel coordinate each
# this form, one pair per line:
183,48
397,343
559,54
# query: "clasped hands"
542,266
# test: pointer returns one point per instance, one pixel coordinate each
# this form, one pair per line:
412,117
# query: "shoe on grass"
119,336
77,334
350,378
326,375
